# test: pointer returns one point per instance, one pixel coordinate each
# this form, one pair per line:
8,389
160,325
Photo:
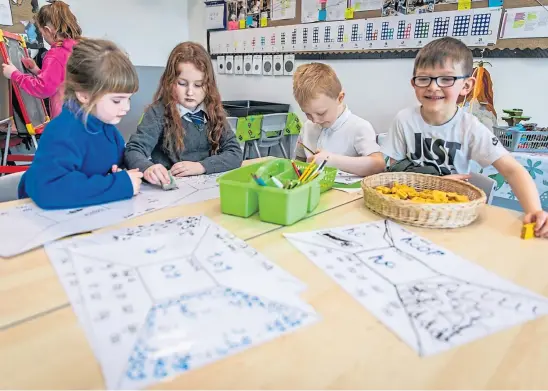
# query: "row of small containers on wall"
475,27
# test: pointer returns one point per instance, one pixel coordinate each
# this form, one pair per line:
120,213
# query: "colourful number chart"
475,27
404,29
421,29
441,26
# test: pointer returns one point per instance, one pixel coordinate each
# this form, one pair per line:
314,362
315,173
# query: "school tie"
196,118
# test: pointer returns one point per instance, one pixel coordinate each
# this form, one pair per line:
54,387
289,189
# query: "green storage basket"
328,179
242,196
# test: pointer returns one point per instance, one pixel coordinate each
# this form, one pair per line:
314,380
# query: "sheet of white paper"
527,22
283,9
161,299
347,178
366,5
27,226
309,11
335,9
432,299
348,190
215,15
5,13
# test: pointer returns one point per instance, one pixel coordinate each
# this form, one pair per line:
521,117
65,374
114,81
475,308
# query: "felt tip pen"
277,182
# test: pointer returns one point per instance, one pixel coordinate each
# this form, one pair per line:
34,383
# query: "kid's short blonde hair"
311,80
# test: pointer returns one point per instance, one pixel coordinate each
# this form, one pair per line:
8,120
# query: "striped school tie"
196,118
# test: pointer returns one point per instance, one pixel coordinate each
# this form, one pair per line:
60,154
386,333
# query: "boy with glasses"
440,137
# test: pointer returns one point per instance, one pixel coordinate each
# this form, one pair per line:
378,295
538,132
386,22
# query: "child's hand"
115,169
157,175
30,64
460,177
187,169
541,219
320,156
8,69
136,180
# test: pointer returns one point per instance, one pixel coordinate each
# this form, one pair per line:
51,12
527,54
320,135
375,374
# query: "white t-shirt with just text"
449,147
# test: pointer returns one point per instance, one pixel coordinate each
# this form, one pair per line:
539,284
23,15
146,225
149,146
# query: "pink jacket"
49,81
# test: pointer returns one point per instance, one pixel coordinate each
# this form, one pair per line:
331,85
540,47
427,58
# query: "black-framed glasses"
441,81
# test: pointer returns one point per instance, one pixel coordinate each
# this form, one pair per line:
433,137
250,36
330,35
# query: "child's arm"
395,145
357,165
55,182
526,192
142,143
369,160
300,154
45,83
228,157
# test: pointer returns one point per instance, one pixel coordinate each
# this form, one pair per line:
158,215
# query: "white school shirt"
449,147
349,135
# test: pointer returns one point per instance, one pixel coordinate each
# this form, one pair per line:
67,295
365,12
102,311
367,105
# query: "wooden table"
29,285
348,348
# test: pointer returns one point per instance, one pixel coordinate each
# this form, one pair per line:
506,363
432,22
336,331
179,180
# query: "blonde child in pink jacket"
60,29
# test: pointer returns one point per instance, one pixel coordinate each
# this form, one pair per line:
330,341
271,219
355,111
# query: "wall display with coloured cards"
229,65
372,33
215,42
227,42
422,30
267,65
220,65
261,36
316,37
527,22
257,64
239,65
356,29
284,38
328,36
289,64
304,36
248,64
294,43
273,42
278,61
475,27
485,26
342,35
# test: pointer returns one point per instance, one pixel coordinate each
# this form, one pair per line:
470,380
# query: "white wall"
377,89
147,30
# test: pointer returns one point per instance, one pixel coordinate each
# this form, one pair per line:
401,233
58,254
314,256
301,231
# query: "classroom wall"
378,89
162,25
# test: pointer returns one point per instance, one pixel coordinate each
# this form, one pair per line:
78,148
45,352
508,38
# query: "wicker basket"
419,214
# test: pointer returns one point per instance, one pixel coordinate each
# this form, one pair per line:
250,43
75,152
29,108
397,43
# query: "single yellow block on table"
242,23
264,22
528,231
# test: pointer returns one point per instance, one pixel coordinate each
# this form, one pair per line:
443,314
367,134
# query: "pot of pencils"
278,190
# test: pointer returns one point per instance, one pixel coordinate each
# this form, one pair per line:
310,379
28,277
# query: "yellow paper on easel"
464,5
349,13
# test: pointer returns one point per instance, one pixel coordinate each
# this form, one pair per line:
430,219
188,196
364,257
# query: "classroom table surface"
348,348
29,285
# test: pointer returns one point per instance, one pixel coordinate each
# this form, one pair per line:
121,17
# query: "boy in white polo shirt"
332,132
